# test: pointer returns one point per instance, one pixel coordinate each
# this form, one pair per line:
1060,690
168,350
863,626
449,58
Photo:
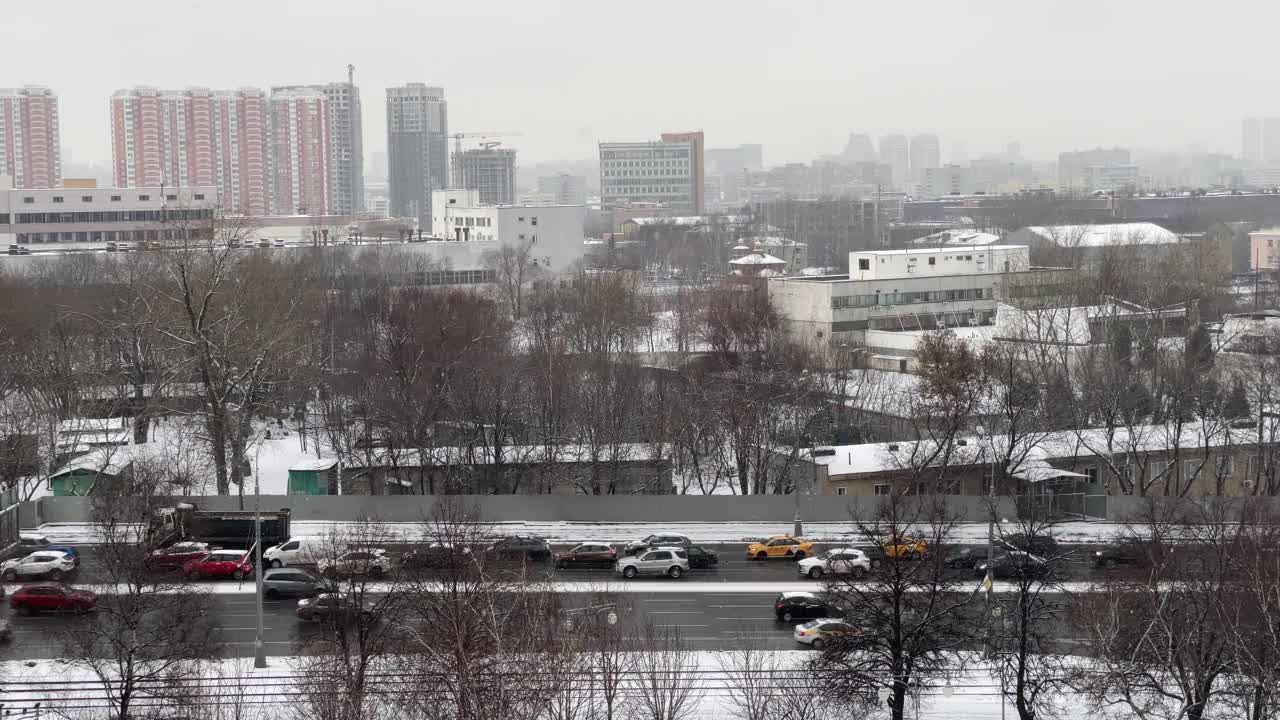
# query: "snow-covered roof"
687,220
106,461
958,237
1061,326
770,273
1038,452
1138,233
78,426
514,454
316,465
758,259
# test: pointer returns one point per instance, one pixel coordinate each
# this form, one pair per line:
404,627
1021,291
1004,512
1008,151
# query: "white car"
373,562
838,561
296,551
670,561
816,633
45,563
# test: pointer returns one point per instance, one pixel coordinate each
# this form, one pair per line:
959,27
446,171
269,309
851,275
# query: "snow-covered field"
569,533
65,690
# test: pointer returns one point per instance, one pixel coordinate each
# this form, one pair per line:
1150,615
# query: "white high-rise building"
926,153
894,152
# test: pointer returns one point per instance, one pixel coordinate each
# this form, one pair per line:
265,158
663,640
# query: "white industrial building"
466,229
662,173
911,290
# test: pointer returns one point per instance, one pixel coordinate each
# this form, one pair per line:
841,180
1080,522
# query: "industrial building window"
534,220
864,264
86,198
57,198
933,261
170,197
883,489
144,198
199,196
841,491
115,198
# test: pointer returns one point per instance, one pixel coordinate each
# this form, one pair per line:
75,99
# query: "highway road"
706,621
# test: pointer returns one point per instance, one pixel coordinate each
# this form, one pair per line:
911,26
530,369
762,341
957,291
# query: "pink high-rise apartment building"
301,153
195,137
30,151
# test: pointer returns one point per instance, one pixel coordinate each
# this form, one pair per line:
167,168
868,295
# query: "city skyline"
487,96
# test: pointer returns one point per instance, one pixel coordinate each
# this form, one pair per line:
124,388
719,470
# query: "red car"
176,556
220,564
42,597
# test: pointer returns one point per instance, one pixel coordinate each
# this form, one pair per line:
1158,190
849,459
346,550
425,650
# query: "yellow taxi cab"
904,546
780,546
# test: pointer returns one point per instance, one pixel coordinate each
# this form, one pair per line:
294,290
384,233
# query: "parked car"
644,543
44,563
838,561
1015,564
333,606
296,551
52,597
294,582
27,544
438,557
372,562
791,606
701,558
1121,553
669,561
817,633
598,555
6,631
236,564
520,547
176,555
1041,545
780,546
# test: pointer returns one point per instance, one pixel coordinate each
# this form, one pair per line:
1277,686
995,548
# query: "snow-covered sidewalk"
569,533
63,688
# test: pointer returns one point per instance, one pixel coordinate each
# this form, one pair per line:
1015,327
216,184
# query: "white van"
297,551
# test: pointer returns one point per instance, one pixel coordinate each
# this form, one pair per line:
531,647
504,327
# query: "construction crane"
457,148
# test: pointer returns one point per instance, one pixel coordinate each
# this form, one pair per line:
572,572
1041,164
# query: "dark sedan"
588,555
521,547
337,607
1016,564
702,558
1121,553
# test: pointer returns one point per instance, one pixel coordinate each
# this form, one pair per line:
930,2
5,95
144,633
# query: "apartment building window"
28,200
86,198
1191,469
198,196
1091,474
170,197
883,489
144,198
115,198
841,491
1224,466
533,221
57,198
1160,471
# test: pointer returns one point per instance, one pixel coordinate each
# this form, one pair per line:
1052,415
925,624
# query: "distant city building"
417,148
1251,140
346,144
194,137
553,234
564,189
731,167
946,180
659,173
301,159
926,154
859,149
698,146
1081,171
492,172
30,149
894,152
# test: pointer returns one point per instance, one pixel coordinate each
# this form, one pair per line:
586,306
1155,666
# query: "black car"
1121,553
1016,564
701,558
438,558
333,606
521,547
1041,545
636,546
790,606
965,557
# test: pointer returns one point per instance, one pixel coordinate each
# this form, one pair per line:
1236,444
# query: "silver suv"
670,561
294,582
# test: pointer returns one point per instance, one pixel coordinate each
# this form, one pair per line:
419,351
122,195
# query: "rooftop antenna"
351,75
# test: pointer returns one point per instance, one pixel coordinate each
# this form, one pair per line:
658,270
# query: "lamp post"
259,650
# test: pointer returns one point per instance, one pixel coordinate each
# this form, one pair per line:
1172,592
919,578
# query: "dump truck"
220,528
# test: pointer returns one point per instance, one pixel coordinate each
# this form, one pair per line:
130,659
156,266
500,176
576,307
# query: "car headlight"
1098,553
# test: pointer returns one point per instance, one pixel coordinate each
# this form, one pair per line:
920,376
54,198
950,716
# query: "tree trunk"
218,442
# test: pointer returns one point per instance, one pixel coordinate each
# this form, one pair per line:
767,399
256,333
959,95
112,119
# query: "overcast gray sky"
796,76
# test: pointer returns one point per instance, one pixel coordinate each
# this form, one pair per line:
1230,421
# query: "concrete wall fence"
537,508
588,508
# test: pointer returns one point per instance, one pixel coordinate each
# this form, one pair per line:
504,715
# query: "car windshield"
810,624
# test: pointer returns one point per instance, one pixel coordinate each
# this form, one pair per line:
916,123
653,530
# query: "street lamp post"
259,651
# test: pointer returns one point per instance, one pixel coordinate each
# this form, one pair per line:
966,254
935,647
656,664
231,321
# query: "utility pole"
259,650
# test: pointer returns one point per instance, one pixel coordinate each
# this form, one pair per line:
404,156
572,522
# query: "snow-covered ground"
568,533
62,688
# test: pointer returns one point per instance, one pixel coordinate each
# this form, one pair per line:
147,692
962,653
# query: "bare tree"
664,683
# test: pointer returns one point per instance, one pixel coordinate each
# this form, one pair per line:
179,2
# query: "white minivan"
296,551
